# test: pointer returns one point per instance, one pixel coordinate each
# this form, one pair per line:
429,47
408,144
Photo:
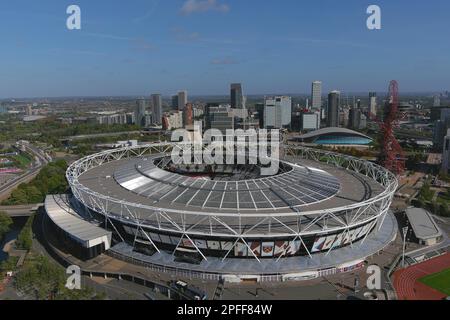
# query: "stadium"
321,213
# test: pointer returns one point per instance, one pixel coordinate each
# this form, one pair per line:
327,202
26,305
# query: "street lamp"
405,231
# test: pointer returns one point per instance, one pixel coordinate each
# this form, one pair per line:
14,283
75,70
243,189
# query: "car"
191,292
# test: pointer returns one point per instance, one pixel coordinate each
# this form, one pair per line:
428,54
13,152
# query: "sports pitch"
439,281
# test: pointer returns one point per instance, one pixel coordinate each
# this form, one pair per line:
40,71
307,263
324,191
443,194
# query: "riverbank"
11,236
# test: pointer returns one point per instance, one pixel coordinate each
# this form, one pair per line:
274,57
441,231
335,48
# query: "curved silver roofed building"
226,218
335,136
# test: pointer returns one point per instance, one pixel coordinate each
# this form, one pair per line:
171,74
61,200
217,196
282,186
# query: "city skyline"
128,51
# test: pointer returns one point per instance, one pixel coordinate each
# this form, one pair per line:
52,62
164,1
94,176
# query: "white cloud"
194,6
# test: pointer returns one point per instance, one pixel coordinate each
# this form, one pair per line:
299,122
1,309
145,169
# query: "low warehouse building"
423,225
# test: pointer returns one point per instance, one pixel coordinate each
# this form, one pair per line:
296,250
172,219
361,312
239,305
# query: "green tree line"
50,180
5,224
45,280
25,238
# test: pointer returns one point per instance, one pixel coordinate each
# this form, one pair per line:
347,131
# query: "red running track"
406,281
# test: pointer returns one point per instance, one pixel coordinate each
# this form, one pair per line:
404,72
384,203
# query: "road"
20,210
98,135
7,188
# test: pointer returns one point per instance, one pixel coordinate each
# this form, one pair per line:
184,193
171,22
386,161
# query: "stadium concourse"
407,281
322,213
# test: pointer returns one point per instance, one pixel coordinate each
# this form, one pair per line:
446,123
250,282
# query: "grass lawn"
439,281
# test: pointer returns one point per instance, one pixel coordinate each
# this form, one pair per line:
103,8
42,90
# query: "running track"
407,286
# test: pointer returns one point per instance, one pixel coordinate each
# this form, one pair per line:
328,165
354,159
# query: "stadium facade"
321,211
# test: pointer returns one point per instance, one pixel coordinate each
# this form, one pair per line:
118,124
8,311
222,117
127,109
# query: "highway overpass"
21,210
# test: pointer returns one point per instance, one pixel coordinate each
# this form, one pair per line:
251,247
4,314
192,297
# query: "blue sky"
143,46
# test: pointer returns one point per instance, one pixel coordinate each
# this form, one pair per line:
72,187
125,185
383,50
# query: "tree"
25,238
45,279
5,224
445,210
50,180
425,192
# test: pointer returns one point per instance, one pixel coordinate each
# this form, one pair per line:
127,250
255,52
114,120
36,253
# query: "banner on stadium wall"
347,237
226,245
318,244
328,242
255,246
338,240
267,249
280,248
294,247
213,245
201,244
240,249
187,243
355,234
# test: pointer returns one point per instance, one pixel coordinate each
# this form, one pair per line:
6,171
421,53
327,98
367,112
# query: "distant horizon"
380,94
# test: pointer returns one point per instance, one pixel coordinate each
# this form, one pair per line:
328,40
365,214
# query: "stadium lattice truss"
243,226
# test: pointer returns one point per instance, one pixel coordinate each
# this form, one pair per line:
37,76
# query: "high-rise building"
354,118
119,118
156,108
260,109
446,154
174,103
188,115
277,112
310,121
334,98
182,99
237,97
437,101
3,108
316,95
357,119
440,129
29,110
172,120
344,114
139,113
220,117
373,103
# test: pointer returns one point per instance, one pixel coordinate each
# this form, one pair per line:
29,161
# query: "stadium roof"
422,223
300,186
332,130
61,213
